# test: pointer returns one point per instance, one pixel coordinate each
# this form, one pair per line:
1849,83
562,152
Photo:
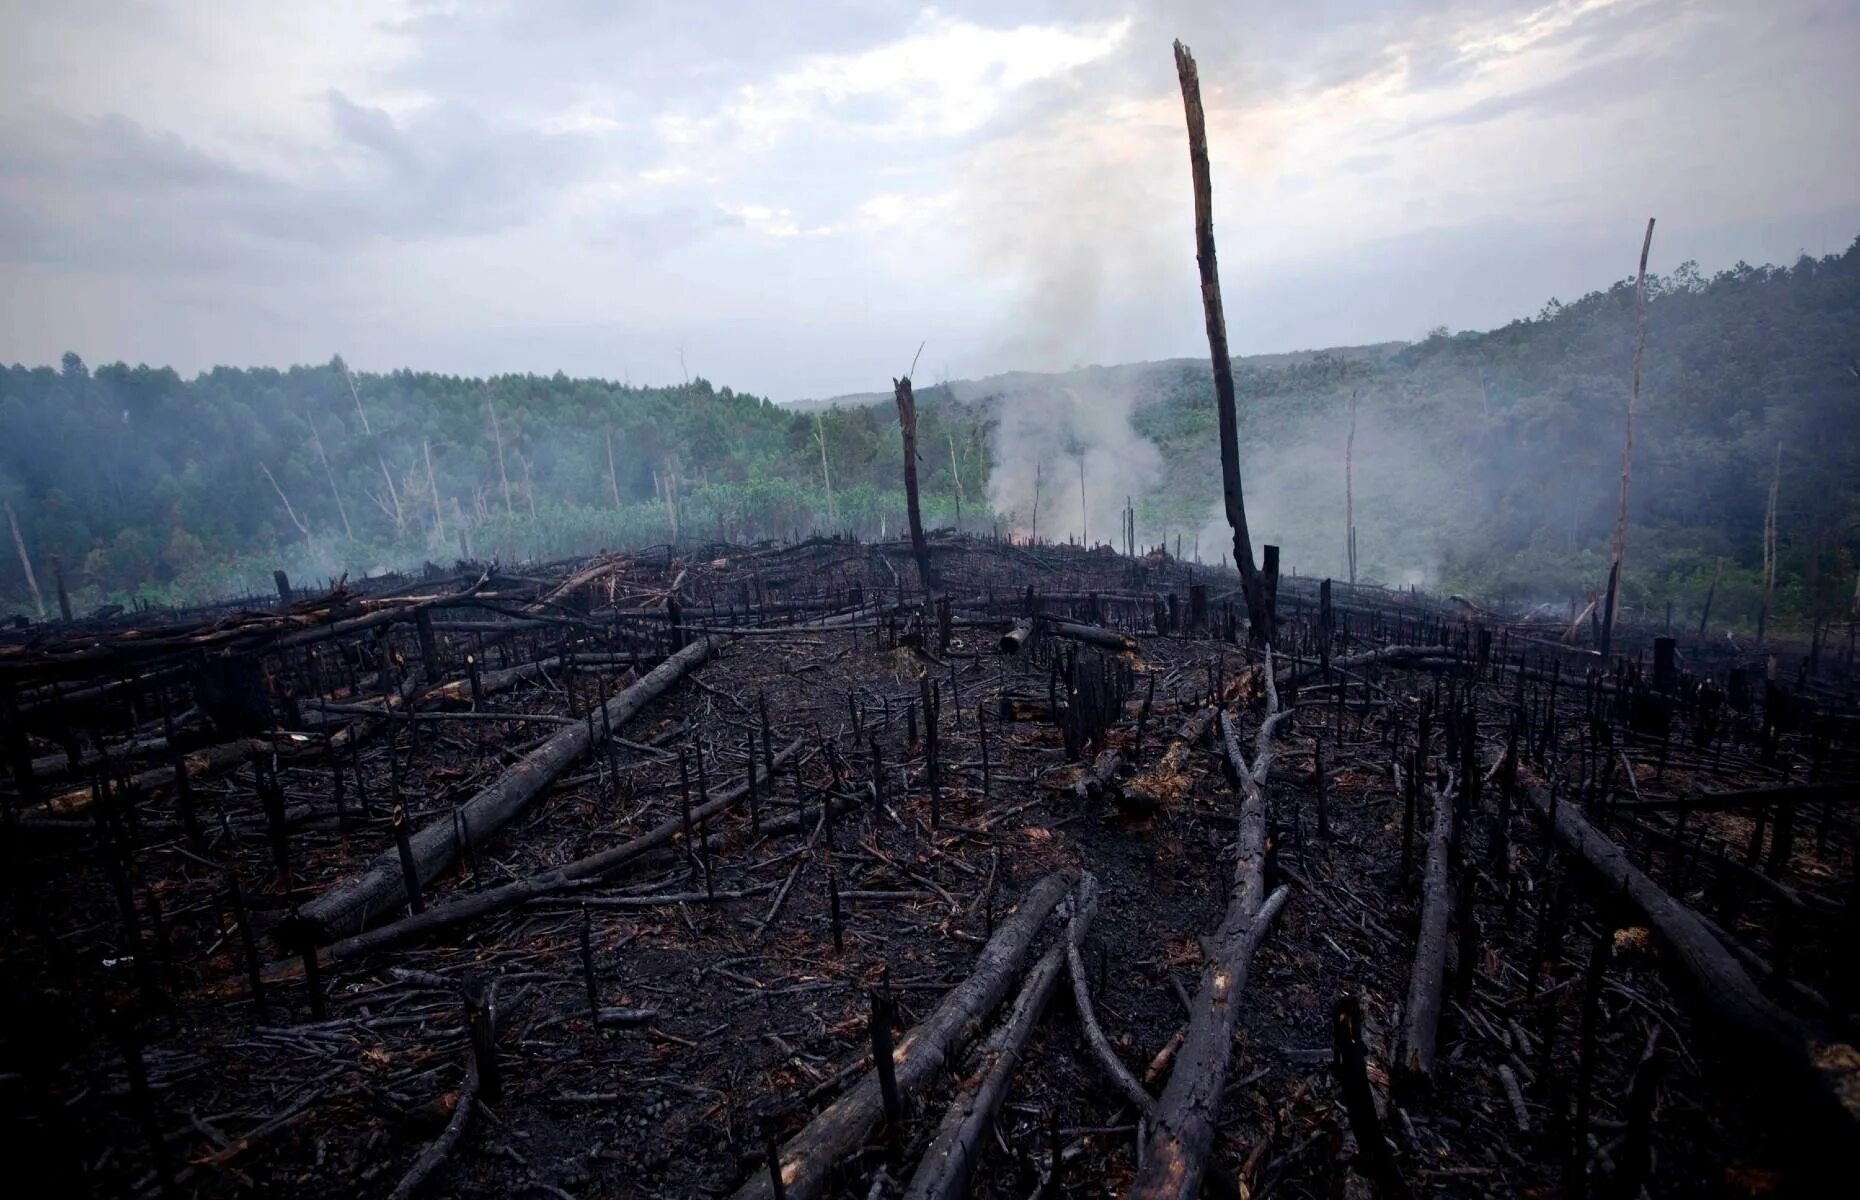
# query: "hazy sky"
797,196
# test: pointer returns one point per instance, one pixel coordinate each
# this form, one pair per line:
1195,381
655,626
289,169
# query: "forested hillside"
1486,462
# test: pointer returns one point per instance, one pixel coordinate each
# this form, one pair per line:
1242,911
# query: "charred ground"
139,909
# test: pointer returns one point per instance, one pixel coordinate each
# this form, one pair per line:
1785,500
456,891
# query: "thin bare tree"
1349,494
497,436
25,560
613,478
826,476
1256,589
1769,546
439,521
288,510
1627,445
393,508
316,440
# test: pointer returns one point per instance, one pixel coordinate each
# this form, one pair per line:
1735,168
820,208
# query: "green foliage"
1487,463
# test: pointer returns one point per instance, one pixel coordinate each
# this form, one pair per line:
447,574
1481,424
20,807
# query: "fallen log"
1182,1132
348,907
1783,794
1421,1028
1755,1032
1092,635
1101,780
205,761
472,905
806,1159
1015,638
943,1172
1114,1067
1168,779
1182,1129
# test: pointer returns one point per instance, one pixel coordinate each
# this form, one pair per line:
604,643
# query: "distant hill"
1485,462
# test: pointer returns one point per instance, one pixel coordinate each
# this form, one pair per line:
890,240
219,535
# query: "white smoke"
1048,430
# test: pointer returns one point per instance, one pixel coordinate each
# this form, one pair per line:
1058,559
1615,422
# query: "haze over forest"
606,267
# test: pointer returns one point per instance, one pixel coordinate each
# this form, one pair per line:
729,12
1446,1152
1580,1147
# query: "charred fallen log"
806,1159
1101,779
943,1172
1182,1132
348,907
1757,1034
1420,1034
1168,779
472,905
1092,635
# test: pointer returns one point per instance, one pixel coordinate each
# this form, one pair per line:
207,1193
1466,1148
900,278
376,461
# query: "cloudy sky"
793,197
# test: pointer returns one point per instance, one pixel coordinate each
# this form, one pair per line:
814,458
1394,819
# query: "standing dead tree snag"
1769,548
497,438
316,439
288,511
391,506
826,475
1349,492
907,424
1627,445
1182,1132
1253,585
25,560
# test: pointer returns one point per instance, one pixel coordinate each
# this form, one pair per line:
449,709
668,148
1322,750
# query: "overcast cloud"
796,196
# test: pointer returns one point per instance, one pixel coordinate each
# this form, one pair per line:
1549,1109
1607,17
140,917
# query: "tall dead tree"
288,510
1036,504
25,560
907,423
826,475
497,437
1349,493
432,486
392,508
1627,445
955,472
669,487
1710,593
529,489
1769,547
1252,585
1084,519
316,439
613,478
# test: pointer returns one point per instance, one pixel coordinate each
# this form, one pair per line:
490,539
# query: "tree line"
1487,462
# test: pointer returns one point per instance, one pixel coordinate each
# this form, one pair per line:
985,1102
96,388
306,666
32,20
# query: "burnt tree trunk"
1430,955
469,906
1182,1131
807,1159
1757,1035
1627,445
1259,613
907,424
943,1171
347,907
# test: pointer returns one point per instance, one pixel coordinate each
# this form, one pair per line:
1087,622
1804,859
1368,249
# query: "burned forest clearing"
608,878
811,840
